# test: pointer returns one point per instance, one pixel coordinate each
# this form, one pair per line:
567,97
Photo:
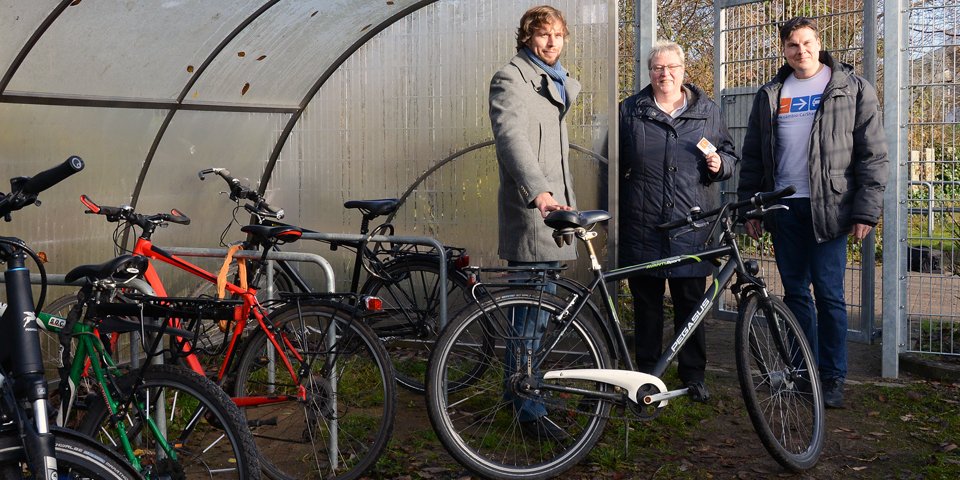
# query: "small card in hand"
706,147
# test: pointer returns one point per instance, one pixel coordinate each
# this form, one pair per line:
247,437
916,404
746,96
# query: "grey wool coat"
530,132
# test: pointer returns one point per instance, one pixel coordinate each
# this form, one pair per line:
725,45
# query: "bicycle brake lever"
696,225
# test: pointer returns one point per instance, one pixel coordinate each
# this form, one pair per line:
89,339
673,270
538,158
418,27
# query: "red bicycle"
314,381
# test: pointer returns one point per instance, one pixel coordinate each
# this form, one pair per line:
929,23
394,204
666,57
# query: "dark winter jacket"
848,151
663,175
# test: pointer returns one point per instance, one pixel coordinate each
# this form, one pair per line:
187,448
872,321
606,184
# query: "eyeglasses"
658,69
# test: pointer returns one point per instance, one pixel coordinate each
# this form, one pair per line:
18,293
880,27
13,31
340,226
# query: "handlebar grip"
93,208
176,216
767,197
51,177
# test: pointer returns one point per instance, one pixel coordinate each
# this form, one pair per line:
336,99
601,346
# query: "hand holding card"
706,147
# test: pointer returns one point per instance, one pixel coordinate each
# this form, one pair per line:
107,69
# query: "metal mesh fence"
933,167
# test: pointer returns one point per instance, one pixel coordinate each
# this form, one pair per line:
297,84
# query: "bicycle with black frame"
403,276
579,369
29,446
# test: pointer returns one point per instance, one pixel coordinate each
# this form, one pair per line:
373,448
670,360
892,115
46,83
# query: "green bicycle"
168,421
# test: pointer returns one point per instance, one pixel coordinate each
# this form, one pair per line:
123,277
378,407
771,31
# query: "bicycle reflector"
462,262
372,304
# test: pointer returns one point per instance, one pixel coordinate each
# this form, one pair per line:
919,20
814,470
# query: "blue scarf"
556,73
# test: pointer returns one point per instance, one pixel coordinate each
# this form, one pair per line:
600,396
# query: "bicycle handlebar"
52,176
126,213
24,190
759,200
239,191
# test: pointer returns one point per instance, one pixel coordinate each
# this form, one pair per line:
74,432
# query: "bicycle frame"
249,307
91,354
629,378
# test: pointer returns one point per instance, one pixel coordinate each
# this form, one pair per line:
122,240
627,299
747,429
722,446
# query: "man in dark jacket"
816,126
664,175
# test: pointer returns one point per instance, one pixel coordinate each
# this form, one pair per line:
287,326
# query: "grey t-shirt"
799,100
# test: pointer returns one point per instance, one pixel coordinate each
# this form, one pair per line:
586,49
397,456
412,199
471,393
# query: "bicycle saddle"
562,219
129,265
285,233
375,208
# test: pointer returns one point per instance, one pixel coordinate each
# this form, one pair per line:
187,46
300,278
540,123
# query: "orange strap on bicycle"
222,275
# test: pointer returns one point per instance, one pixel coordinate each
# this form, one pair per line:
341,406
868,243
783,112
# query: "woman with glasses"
674,148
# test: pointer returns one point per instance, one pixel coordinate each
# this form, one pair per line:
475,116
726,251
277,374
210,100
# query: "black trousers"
648,297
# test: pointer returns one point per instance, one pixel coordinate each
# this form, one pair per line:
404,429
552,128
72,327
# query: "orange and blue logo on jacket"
802,104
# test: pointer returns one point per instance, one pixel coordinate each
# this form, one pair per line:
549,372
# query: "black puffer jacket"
663,175
848,151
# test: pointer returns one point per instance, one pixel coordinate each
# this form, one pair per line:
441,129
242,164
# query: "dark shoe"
833,392
697,390
544,429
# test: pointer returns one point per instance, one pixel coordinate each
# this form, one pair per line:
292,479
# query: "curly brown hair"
534,19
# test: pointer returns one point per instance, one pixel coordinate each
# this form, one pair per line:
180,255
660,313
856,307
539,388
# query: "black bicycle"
29,447
405,277
578,369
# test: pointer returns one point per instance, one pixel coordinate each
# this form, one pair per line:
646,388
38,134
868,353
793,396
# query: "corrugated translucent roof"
314,101
231,53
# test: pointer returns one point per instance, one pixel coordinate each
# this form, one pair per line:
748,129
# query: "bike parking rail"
257,254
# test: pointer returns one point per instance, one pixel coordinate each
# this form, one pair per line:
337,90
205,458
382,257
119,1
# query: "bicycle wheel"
349,388
78,457
779,382
479,424
203,426
409,323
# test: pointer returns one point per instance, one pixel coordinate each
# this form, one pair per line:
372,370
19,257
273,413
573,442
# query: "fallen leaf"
241,54
948,447
261,57
246,86
858,469
189,68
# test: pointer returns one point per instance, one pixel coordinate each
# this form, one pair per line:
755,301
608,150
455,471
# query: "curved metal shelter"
314,101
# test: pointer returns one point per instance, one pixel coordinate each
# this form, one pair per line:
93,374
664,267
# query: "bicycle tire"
783,397
409,324
78,457
477,423
293,439
214,437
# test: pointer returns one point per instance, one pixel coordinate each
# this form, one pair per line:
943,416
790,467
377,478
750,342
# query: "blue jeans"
802,262
527,328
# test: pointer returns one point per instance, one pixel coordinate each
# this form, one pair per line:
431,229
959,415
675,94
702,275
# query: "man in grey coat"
529,98
816,126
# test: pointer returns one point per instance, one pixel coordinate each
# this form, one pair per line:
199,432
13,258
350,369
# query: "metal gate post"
895,198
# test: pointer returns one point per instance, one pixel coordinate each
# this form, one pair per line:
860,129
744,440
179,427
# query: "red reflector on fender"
373,304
